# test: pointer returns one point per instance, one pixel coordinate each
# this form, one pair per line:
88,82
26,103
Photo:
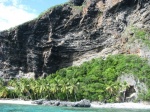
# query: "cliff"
68,35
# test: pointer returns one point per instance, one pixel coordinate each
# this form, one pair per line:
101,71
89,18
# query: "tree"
64,87
73,87
1,83
34,88
4,92
113,90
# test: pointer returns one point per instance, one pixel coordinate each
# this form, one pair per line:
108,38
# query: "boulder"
56,103
66,104
38,102
82,103
47,103
53,103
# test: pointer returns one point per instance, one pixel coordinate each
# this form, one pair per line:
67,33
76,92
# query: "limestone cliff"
68,35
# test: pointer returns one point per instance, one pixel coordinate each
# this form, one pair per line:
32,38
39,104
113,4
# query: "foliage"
143,35
94,80
48,10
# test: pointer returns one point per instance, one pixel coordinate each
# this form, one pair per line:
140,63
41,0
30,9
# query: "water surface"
31,108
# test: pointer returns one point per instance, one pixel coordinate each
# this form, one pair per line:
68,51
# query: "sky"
15,12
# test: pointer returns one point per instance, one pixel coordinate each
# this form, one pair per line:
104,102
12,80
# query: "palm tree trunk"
67,95
75,96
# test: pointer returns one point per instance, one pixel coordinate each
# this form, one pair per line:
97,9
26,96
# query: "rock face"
67,35
134,89
77,2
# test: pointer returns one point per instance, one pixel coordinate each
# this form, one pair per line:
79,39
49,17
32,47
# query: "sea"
35,108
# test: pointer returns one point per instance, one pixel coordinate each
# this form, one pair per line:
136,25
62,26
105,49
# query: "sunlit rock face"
132,89
67,35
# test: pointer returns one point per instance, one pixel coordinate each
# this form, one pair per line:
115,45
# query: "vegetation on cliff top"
75,4
142,35
94,80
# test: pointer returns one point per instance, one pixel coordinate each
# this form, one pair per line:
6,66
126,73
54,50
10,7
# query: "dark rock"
77,2
82,103
57,103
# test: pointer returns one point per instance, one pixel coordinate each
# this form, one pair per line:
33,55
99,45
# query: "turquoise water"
25,108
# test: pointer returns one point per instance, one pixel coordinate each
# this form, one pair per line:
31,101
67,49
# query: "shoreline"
126,105
16,101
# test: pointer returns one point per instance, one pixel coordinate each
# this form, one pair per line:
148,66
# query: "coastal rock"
133,88
82,103
51,103
57,103
66,103
38,102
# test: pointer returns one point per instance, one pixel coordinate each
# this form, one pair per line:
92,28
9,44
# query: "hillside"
68,35
117,32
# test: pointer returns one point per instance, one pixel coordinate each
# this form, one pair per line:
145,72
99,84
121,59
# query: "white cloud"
14,14
15,2
3,1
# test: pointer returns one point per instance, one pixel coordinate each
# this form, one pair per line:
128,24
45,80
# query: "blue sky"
15,12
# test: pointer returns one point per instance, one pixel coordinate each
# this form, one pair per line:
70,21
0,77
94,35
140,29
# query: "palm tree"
113,89
15,84
1,82
23,89
43,87
57,84
34,88
64,87
54,90
48,90
4,92
73,87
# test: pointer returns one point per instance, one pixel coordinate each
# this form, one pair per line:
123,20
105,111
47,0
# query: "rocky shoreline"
82,103
86,103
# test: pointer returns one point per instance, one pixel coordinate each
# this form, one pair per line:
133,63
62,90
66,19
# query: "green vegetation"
78,8
143,35
94,80
48,10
